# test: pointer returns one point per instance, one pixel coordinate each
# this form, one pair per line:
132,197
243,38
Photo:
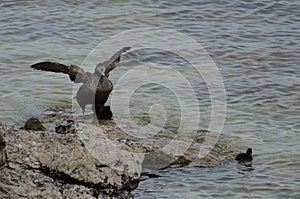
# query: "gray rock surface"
38,164
2,151
97,160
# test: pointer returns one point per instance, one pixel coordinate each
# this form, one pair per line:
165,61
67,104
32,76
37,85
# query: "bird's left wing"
75,73
113,61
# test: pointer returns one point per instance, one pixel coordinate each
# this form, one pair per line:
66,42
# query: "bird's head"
249,151
100,70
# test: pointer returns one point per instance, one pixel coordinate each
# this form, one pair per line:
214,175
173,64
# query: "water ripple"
255,44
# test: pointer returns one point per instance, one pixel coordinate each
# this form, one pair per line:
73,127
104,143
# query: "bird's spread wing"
76,73
113,61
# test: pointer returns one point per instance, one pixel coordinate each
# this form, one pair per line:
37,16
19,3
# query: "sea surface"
255,46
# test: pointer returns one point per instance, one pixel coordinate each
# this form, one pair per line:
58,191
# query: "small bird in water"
96,86
245,156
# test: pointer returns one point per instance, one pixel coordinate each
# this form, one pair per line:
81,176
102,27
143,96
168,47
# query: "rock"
123,155
161,160
66,126
97,159
2,151
44,164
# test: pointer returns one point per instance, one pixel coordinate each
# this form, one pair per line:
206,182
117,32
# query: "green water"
254,44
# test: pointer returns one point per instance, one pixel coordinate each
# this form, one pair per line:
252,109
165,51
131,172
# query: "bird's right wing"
75,73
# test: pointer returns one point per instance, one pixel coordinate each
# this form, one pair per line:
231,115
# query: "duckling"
245,156
33,124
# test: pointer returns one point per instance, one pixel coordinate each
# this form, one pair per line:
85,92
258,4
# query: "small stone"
66,126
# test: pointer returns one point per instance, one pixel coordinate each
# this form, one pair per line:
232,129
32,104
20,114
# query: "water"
255,45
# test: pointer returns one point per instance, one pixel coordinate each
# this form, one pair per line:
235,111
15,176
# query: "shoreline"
96,160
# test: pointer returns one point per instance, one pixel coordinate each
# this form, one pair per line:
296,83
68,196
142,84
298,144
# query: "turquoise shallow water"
255,45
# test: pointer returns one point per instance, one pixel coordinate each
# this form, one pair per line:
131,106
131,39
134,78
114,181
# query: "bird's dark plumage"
75,73
33,124
245,156
104,113
96,86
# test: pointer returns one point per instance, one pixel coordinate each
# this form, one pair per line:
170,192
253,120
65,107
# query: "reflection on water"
245,167
255,44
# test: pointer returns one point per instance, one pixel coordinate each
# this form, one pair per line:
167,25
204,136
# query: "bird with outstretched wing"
95,88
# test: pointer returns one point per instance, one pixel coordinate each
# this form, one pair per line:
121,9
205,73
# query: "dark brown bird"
245,156
33,124
96,86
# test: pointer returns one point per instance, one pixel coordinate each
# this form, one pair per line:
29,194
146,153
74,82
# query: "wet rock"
161,160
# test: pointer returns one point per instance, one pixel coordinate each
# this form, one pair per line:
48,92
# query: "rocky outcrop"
81,157
40,164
